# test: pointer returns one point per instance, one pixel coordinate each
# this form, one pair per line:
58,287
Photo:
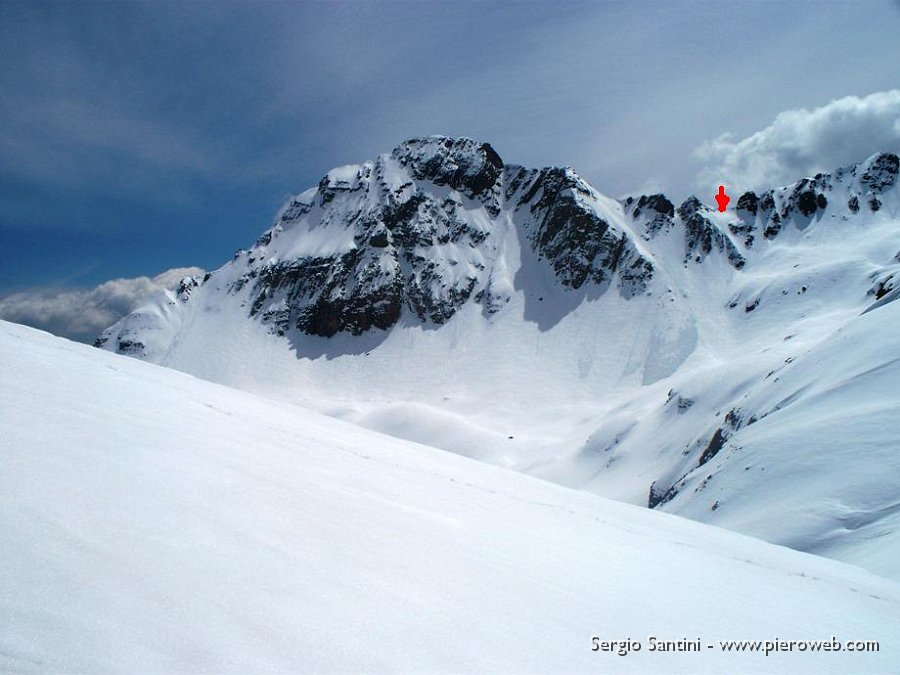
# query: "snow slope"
733,367
153,522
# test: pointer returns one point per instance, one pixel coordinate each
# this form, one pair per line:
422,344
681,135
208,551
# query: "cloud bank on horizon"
84,313
800,143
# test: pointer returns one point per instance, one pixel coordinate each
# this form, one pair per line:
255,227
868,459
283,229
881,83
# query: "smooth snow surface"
153,522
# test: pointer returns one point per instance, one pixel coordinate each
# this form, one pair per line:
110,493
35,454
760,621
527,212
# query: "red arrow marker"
722,199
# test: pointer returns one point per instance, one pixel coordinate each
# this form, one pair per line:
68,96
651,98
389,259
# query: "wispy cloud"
85,145
83,314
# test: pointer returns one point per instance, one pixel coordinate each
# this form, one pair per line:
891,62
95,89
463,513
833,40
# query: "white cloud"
804,142
83,314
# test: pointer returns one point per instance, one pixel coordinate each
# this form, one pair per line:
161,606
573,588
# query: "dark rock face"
659,496
746,209
744,232
658,210
702,236
769,215
397,262
580,246
803,201
748,202
806,197
806,202
463,164
185,287
130,347
883,287
657,203
881,172
124,345
734,420
311,294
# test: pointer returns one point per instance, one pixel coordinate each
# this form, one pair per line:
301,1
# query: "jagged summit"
466,165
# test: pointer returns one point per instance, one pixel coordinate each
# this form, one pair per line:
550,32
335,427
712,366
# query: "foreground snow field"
153,522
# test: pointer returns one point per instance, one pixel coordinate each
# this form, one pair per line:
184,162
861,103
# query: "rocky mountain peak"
880,172
657,203
419,231
468,166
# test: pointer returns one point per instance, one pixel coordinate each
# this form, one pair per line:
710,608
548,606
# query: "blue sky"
138,137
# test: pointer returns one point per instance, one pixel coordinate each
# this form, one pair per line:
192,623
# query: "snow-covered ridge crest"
856,190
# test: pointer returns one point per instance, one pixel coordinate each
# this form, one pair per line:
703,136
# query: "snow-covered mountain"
153,522
737,367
